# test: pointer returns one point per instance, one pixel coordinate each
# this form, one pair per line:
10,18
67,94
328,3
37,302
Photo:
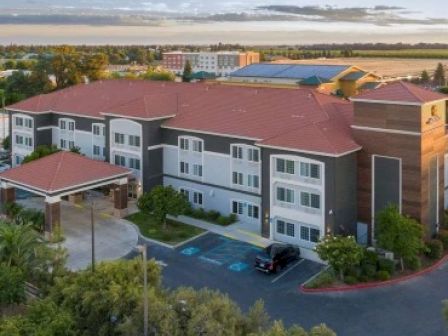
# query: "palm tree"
19,245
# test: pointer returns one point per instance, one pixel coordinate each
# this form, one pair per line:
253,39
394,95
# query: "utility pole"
143,249
92,224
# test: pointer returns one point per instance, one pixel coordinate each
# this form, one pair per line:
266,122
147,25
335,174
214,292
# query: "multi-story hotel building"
294,165
220,63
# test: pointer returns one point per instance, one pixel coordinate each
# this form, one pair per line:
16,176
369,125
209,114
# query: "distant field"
404,53
383,66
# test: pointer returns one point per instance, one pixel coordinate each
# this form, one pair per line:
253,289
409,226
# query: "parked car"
275,257
4,167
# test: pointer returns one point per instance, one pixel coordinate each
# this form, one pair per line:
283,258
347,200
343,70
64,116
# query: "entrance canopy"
61,174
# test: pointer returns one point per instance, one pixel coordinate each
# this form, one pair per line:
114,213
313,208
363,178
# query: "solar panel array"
292,71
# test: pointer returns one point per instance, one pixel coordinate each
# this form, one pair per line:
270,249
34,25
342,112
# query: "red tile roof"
60,171
263,114
401,92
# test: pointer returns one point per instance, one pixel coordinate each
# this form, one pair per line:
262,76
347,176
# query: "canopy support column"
121,198
52,216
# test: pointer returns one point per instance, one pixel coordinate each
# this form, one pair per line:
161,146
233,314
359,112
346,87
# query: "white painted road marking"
161,263
288,270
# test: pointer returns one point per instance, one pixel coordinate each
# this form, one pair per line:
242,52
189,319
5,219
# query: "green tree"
162,201
12,285
6,144
424,77
95,66
445,309
399,234
159,75
321,330
257,319
100,301
40,152
188,72
341,253
439,75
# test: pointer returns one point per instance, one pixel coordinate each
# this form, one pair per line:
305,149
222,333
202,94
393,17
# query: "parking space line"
288,270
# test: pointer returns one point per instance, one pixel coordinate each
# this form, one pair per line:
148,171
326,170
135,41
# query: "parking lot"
216,261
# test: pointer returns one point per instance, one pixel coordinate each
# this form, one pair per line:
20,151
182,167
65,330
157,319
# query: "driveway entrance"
114,238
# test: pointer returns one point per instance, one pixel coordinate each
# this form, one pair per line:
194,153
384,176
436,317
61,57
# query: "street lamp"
3,98
142,249
92,226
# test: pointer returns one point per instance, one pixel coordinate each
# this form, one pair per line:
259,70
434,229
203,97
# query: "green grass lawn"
175,232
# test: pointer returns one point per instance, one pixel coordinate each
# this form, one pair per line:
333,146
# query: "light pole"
3,98
92,225
142,250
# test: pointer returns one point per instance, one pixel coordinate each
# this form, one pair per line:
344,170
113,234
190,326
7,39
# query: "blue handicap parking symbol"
189,251
238,267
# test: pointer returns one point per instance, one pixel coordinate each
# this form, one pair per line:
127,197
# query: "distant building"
220,63
342,80
9,72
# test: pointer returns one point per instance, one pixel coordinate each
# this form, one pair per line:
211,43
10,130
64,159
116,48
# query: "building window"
63,143
197,198
120,160
134,163
309,170
197,146
96,150
304,233
237,178
281,226
184,144
290,229
97,130
185,192
253,155
71,125
29,123
184,167
62,124
19,139
71,144
29,142
19,121
285,195
134,140
237,208
309,200
253,181
237,152
197,170
285,166
119,138
253,211
314,235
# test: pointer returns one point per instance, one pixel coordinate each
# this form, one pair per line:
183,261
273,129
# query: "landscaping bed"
174,233
212,216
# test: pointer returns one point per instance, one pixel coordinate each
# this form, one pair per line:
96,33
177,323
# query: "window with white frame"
134,163
281,226
120,160
134,140
253,181
285,166
309,234
197,146
237,152
28,142
237,178
184,144
19,121
310,170
96,150
71,125
62,124
197,170
309,200
98,130
66,125
237,207
253,211
28,123
119,138
63,143
71,144
185,192
290,229
184,167
253,154
285,195
197,198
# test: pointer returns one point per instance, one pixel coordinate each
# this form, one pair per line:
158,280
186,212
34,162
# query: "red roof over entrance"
62,171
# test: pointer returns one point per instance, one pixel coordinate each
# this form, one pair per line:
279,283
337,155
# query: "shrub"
382,275
233,218
386,265
223,220
213,215
354,272
324,279
350,280
413,263
368,270
434,249
363,278
443,237
369,258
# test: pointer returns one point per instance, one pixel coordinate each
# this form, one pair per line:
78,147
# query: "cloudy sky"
376,20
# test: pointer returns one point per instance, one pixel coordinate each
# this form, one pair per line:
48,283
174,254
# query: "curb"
375,284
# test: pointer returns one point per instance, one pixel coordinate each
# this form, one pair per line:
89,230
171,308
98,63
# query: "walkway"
114,238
